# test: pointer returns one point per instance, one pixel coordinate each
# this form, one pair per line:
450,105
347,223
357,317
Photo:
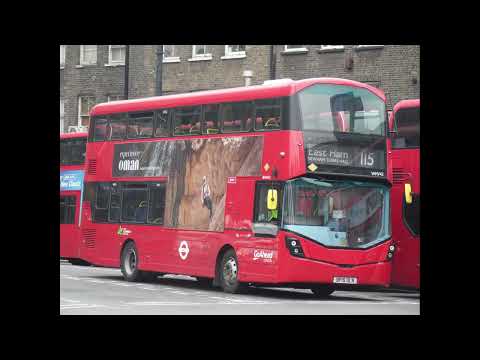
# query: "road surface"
93,290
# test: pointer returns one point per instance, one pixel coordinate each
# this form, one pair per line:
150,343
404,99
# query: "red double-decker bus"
405,128
72,162
284,184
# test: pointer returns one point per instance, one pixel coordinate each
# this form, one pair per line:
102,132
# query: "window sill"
120,64
295,51
369,47
173,59
84,65
330,50
236,56
62,67
201,58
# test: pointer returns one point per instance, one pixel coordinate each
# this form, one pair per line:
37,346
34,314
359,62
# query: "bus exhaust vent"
89,237
400,175
92,167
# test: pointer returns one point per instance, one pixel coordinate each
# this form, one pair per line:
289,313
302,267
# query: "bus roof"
246,93
73,135
404,104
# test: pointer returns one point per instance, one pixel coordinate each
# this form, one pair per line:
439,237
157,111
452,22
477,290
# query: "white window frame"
82,61
109,97
331,47
62,115
299,50
233,54
62,56
80,108
368,47
195,57
110,61
170,59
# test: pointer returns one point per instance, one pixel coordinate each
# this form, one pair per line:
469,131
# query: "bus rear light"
294,247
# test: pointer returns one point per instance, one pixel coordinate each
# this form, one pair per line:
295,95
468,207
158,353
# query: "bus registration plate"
345,280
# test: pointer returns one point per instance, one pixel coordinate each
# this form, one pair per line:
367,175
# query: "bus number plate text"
344,280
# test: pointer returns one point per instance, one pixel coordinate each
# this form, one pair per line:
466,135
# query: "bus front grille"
89,237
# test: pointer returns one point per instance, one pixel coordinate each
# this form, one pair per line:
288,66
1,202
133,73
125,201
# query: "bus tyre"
228,273
129,263
322,290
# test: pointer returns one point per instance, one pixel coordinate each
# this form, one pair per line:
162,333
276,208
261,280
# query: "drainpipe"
273,62
158,76
127,65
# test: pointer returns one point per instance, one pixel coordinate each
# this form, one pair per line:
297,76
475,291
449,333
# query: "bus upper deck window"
100,129
118,127
161,123
267,114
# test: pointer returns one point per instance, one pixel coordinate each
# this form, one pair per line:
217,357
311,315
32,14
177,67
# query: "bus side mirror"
272,197
408,193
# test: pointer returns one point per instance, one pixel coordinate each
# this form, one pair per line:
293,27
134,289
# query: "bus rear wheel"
129,264
228,273
322,290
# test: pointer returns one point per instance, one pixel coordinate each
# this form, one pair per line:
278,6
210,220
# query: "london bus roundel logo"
183,250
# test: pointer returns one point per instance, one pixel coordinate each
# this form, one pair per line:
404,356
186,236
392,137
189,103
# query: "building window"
331,47
234,51
169,54
85,104
62,115
114,98
295,49
88,54
116,54
199,52
368,47
62,56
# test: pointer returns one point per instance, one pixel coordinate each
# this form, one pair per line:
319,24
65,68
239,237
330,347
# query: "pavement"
88,290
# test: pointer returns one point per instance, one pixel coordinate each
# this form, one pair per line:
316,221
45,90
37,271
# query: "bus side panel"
256,256
406,261
70,233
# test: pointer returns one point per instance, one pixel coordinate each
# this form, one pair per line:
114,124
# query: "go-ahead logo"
183,250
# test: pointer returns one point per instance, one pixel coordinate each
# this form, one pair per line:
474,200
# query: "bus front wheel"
229,273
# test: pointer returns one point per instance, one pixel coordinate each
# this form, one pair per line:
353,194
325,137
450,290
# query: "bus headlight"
294,246
391,250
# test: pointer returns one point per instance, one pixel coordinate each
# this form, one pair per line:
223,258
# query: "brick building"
91,74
